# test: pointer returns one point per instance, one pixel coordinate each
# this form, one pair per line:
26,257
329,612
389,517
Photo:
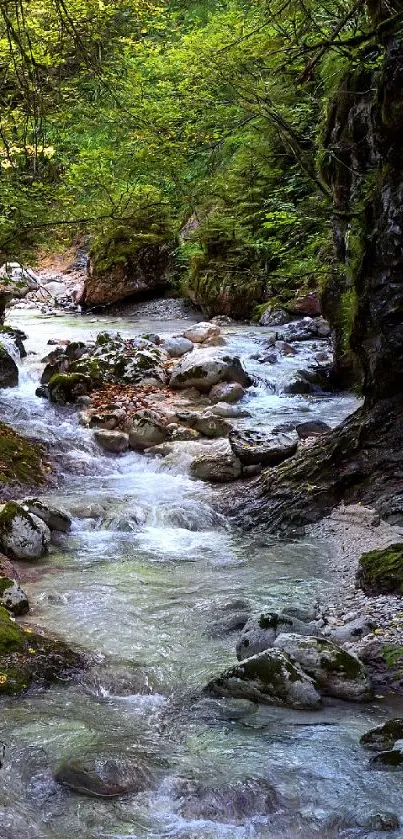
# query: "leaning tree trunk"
362,460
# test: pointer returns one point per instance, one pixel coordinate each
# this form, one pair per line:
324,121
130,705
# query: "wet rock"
112,441
232,803
305,330
268,449
252,471
200,332
100,777
26,657
22,534
123,268
8,368
180,433
227,392
271,677
335,672
223,409
54,517
381,572
381,821
42,392
299,386
260,633
274,316
383,737
204,369
216,468
314,428
206,424
147,431
286,349
176,347
12,597
390,760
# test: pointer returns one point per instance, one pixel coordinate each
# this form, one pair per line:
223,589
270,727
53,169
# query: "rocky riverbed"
173,727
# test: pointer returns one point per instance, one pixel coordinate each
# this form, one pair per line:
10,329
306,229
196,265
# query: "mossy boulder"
27,657
66,387
271,677
260,633
383,737
22,534
336,672
12,597
20,459
381,571
390,760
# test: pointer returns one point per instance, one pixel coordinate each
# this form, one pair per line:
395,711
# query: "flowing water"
146,580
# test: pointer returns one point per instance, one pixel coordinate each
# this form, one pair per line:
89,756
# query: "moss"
20,459
12,638
382,571
5,583
65,387
383,737
339,662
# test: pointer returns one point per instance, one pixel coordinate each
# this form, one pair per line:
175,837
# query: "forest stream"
145,581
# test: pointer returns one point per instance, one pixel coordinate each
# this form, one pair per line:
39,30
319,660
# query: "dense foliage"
212,112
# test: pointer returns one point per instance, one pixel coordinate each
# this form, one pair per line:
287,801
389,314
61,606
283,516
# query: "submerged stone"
231,803
100,777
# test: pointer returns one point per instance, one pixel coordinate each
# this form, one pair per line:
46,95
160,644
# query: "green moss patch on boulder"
383,737
20,459
27,657
271,677
381,571
65,387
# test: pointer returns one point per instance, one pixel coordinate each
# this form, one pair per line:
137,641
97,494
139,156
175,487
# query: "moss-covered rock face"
131,259
22,534
271,677
20,459
66,387
335,671
381,572
27,657
383,737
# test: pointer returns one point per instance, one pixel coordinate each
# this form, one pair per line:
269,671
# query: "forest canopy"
211,112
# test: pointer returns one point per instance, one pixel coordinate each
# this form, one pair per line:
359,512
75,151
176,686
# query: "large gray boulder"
227,392
147,431
101,777
112,441
271,677
216,468
253,447
201,332
260,633
335,672
22,534
176,347
205,368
